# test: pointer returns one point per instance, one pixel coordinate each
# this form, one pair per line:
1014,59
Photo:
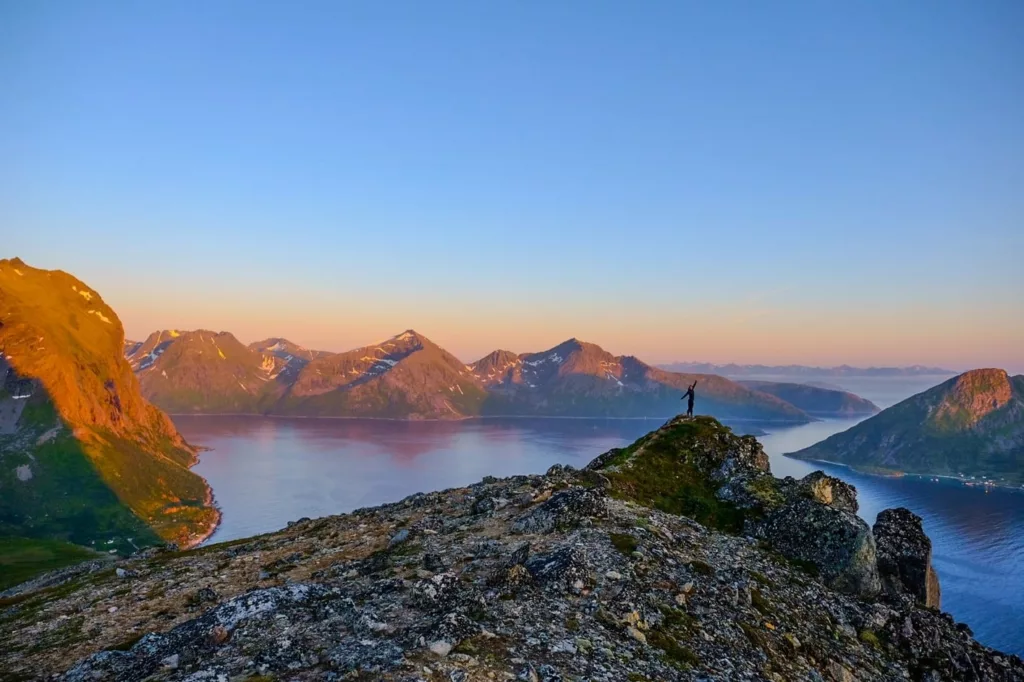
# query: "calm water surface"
268,471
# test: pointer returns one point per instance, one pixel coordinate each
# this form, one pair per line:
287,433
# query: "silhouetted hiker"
689,394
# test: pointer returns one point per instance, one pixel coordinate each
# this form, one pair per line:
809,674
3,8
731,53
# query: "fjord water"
268,471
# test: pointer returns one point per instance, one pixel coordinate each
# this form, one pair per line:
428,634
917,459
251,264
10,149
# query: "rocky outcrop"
700,467
573,575
905,557
830,491
837,543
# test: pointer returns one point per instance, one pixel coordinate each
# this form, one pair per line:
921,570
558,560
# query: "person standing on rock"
689,394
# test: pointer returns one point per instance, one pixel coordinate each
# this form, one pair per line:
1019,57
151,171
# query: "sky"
808,182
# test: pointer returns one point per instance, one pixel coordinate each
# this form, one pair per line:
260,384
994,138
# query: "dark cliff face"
587,574
971,425
905,558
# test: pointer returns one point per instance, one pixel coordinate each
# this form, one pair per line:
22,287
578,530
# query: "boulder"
564,567
905,558
837,542
562,510
829,490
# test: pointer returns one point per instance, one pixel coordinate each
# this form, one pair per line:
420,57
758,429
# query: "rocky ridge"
410,377
572,575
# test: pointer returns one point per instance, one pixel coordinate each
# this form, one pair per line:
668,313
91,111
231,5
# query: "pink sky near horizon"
875,336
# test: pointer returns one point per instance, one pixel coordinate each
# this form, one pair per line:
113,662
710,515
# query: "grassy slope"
22,559
667,475
115,468
930,433
67,497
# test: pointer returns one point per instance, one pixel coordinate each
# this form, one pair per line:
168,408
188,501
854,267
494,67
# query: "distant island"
969,427
735,370
820,401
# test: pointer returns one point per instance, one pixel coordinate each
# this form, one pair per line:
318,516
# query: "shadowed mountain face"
816,400
971,425
83,456
408,376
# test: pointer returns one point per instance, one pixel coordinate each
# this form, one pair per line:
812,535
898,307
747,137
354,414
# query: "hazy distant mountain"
83,457
734,370
207,372
972,424
582,379
410,377
815,400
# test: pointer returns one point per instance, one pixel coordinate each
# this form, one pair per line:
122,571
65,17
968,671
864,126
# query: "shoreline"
966,482
211,502
753,420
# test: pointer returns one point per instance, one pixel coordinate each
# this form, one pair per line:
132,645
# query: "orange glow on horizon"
782,336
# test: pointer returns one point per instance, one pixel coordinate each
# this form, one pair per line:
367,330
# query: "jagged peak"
572,346
497,356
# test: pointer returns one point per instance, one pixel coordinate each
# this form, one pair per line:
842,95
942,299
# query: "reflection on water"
268,471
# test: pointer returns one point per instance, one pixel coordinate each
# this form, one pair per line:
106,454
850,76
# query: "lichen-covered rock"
829,490
905,557
191,641
753,491
838,543
565,567
562,510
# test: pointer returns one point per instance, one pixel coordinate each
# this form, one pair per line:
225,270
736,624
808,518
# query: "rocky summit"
677,558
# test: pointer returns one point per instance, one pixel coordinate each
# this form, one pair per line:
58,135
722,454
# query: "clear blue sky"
749,181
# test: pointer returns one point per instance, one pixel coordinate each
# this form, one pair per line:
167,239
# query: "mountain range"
83,457
735,370
969,426
410,377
